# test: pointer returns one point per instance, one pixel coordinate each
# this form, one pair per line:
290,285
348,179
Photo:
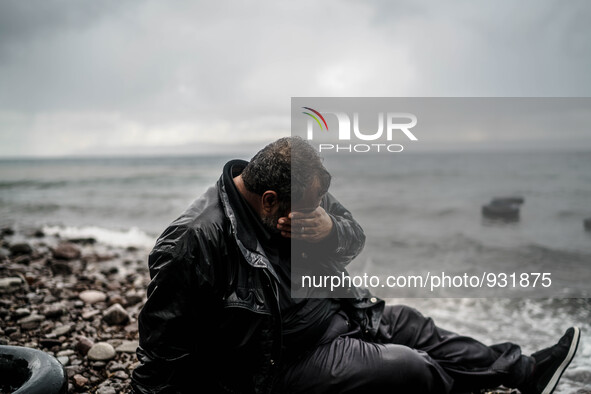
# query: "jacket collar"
246,226
250,227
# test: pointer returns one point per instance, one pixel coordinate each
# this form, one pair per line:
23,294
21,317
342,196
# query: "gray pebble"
101,351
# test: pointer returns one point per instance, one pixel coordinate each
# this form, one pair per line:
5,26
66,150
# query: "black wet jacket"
211,322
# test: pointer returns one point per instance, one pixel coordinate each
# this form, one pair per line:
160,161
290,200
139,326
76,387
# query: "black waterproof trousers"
409,354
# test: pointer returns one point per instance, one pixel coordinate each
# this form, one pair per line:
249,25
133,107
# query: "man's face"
309,202
270,220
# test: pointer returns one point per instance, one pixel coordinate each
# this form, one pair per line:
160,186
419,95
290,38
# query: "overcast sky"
119,77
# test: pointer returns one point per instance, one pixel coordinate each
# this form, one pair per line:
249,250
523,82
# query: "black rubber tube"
31,371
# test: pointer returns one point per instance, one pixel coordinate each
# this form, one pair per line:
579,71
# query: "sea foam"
132,237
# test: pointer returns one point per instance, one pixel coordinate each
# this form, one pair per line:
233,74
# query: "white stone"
8,285
92,296
66,353
101,351
61,330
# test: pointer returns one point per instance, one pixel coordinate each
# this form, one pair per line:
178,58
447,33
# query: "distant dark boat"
503,208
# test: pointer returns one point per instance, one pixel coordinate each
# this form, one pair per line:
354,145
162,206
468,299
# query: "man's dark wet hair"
287,166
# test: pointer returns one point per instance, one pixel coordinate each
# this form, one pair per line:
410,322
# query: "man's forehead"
311,198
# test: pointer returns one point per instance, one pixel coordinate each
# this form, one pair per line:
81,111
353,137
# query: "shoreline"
77,300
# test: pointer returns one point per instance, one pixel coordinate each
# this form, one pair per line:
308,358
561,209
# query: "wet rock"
113,285
132,298
49,342
116,315
60,268
66,251
116,366
97,365
127,347
106,390
83,345
83,241
110,270
21,312
11,284
10,330
30,278
67,353
48,299
90,314
31,322
59,331
35,298
90,331
131,328
73,370
14,336
116,299
101,351
79,381
7,231
55,310
4,252
24,260
20,248
121,375
76,362
92,296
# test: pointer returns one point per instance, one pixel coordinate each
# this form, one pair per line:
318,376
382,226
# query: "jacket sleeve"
169,322
347,238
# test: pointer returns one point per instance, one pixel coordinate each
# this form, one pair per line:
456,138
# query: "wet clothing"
408,354
212,318
304,320
218,317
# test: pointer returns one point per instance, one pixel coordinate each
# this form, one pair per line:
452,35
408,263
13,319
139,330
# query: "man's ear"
269,201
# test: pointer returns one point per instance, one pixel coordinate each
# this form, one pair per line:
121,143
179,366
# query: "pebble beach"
77,300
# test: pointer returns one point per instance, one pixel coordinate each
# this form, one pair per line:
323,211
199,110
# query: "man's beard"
270,223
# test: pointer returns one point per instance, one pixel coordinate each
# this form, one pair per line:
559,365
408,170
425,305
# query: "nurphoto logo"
396,123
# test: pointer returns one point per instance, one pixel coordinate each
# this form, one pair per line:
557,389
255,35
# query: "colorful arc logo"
315,118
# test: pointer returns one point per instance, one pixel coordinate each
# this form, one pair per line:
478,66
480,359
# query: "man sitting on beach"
220,316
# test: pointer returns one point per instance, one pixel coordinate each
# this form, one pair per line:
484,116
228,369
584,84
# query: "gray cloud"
122,76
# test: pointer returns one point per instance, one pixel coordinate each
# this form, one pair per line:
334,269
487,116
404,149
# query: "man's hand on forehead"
312,225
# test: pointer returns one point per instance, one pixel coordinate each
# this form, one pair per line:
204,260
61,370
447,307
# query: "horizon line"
480,150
